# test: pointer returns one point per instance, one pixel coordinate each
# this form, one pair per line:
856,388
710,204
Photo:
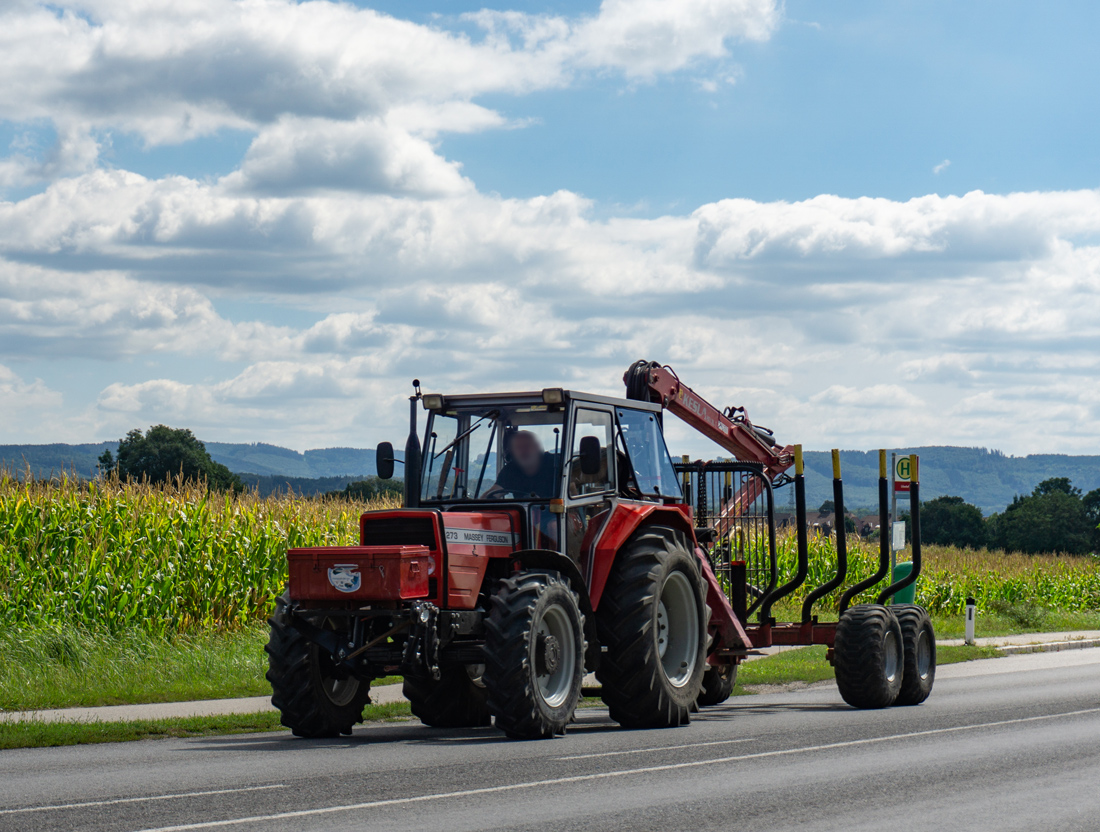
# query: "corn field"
948,575
177,559
163,559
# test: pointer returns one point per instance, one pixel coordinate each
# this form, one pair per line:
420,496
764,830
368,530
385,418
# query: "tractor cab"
556,458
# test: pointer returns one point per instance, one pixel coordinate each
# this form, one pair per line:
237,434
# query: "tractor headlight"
553,395
433,401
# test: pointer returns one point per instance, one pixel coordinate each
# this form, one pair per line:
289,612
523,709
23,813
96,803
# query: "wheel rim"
890,649
555,656
340,692
678,629
924,655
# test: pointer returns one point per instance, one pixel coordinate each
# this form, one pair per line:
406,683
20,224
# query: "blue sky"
873,224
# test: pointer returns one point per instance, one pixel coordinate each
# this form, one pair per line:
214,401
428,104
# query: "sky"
871,224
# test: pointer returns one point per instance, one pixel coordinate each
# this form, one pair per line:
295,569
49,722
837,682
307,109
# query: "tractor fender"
625,520
534,559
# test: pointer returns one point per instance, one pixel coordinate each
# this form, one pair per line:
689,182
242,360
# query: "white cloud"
941,167
346,255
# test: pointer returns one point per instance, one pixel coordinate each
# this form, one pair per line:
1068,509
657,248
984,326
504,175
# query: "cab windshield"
493,453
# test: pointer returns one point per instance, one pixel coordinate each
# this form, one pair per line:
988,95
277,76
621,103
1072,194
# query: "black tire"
868,656
452,701
641,685
919,641
718,682
313,698
534,655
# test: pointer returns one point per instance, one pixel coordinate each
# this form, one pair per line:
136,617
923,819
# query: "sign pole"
893,512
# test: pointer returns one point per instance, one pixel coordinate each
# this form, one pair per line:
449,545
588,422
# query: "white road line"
582,778
114,801
657,748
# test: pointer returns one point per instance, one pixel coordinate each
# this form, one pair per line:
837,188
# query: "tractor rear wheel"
534,655
919,640
314,697
452,701
868,656
718,682
652,620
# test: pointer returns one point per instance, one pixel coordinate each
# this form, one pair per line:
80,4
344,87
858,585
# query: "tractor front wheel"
314,697
534,655
652,619
919,641
868,656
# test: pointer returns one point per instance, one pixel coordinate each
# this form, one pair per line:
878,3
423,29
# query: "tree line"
163,454
1055,517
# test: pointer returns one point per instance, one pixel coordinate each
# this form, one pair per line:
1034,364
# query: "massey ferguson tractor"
549,534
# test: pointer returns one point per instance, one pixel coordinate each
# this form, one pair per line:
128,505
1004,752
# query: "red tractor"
547,535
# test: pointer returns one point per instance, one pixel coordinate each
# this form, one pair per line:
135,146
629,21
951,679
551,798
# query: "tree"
950,521
1053,521
162,454
1056,485
827,507
369,489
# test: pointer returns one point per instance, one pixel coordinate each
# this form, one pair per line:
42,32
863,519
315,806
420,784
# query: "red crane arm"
731,429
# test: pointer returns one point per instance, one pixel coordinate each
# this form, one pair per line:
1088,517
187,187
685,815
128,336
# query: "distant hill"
264,460
986,478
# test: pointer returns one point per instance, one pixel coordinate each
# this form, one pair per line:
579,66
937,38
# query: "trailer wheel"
452,701
919,641
534,655
718,682
652,621
313,697
868,656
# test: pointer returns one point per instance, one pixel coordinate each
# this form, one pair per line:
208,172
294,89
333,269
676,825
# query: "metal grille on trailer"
733,503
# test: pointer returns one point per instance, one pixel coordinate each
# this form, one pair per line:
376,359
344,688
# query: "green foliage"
827,507
950,521
65,667
1056,485
1052,519
1024,613
950,574
372,488
163,559
163,454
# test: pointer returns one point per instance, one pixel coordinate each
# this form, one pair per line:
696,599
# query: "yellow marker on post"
836,464
798,467
914,467
882,464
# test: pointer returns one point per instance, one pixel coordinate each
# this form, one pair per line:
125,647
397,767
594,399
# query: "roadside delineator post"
971,615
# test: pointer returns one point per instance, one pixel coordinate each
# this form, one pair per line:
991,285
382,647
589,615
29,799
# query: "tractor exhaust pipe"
412,453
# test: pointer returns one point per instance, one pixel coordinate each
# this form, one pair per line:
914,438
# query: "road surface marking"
605,775
658,748
116,800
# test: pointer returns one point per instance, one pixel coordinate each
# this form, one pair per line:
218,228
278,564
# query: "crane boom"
731,429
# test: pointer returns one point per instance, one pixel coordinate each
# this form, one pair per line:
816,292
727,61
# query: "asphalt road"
1004,744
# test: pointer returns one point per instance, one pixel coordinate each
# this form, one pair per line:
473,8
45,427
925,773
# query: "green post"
909,594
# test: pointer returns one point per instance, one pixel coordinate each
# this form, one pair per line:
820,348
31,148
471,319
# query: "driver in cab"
529,472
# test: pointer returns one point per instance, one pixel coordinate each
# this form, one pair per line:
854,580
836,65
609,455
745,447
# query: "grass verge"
46,668
38,734
808,665
75,668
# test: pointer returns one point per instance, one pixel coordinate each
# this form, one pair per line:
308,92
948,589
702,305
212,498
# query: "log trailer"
549,534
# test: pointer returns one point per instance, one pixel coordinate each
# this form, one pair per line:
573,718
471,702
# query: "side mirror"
591,455
383,460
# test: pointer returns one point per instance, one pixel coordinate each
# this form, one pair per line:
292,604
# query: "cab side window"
597,423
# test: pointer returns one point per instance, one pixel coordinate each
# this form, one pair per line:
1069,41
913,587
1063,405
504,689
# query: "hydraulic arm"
730,428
